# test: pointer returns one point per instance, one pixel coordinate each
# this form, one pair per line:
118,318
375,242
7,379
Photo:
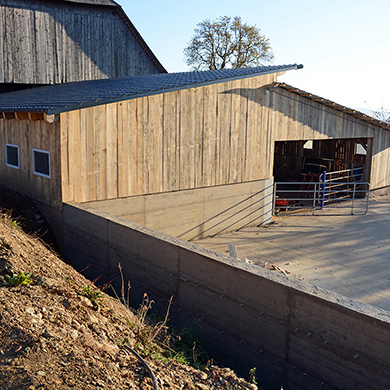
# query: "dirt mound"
61,332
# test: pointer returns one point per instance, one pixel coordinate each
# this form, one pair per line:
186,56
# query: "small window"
360,149
308,145
12,155
41,162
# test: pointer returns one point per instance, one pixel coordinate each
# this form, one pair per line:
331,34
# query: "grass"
156,338
7,220
252,376
20,279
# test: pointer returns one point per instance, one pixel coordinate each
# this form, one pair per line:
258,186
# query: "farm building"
50,42
190,154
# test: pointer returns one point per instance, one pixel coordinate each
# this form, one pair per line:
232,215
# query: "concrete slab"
349,255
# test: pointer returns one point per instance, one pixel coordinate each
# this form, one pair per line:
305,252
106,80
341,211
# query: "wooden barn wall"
28,135
297,118
46,43
199,137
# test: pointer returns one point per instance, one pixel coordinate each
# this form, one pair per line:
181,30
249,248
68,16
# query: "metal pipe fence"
321,198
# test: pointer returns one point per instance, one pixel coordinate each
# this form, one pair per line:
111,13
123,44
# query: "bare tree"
227,42
382,114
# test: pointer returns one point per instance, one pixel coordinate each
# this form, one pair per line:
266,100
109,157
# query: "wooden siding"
28,135
46,43
186,139
295,118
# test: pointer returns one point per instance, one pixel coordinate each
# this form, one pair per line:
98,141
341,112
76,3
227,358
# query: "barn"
50,42
190,154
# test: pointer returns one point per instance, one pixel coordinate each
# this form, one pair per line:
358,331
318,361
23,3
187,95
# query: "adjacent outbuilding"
191,154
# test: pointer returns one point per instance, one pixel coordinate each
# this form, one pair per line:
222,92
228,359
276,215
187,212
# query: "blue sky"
344,45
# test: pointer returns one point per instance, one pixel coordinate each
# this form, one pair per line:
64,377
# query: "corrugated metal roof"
72,96
335,106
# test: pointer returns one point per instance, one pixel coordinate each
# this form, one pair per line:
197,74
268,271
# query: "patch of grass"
6,219
20,279
95,296
156,339
252,376
186,342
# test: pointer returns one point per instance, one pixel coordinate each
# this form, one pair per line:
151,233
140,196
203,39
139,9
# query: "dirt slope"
52,336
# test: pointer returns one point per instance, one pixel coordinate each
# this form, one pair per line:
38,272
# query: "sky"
344,45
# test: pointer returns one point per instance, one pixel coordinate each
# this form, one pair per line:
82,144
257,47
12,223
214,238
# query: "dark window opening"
12,155
41,162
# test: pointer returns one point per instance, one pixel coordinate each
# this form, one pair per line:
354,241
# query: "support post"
323,189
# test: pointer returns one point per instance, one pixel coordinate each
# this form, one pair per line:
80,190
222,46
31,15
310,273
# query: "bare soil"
53,337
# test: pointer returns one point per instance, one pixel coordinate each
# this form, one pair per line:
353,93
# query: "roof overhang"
166,90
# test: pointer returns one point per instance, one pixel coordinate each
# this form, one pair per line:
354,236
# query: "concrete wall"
298,336
199,212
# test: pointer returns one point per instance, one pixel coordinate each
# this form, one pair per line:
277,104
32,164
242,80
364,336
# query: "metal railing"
336,193
346,175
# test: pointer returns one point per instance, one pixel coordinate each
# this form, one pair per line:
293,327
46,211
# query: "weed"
156,339
187,341
20,279
94,296
6,219
252,376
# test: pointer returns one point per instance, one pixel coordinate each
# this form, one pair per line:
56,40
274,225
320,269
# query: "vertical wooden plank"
191,126
65,158
198,112
75,152
102,151
149,144
140,146
83,150
89,136
184,112
123,151
112,152
55,160
253,129
243,130
171,141
99,152
132,142
158,149
225,123
234,136
208,130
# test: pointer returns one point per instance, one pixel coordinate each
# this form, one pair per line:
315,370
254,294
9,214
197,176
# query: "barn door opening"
313,175
305,160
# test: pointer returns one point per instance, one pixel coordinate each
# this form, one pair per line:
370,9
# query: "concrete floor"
349,255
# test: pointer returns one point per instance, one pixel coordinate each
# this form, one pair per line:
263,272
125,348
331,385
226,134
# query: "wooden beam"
21,116
9,115
36,116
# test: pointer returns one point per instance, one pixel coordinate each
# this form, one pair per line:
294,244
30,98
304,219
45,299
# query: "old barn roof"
72,96
329,103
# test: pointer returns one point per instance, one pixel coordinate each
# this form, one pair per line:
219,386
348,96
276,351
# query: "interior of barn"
306,160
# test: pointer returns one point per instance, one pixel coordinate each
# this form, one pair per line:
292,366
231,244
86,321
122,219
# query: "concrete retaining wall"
298,336
197,213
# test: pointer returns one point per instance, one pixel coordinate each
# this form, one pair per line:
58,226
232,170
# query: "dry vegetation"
58,331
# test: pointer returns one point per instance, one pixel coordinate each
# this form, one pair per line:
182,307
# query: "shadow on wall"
197,213
308,119
254,210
